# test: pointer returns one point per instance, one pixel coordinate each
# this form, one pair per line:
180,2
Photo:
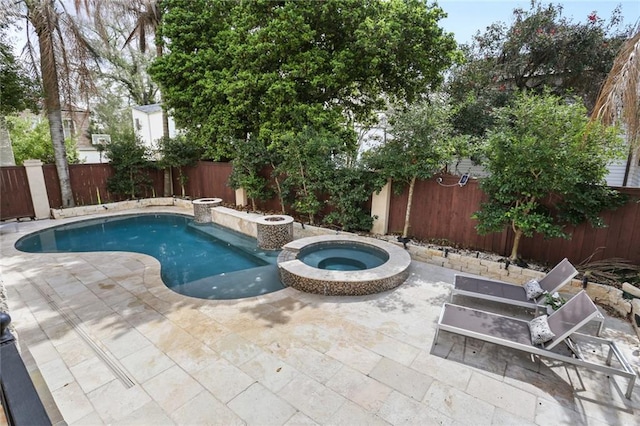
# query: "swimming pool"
199,260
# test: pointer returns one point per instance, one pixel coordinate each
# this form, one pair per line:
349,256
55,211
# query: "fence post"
380,203
241,197
39,198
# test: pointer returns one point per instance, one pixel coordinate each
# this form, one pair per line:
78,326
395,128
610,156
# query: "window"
138,125
68,128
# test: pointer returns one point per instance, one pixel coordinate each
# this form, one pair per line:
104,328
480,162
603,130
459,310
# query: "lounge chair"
512,294
515,333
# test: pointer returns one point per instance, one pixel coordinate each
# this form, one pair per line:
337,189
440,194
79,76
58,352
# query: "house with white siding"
147,123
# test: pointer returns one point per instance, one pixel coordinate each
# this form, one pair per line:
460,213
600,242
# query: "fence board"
53,185
443,214
15,201
89,180
438,213
206,180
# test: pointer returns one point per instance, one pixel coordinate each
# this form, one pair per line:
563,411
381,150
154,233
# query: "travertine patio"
108,343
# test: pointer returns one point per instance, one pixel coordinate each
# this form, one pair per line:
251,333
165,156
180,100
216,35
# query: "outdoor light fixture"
462,182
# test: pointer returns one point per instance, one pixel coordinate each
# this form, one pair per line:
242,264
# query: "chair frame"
522,301
569,337
501,284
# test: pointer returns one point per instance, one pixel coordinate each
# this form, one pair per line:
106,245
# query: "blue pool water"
199,260
343,257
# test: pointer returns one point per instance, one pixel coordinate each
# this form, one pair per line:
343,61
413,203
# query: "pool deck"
107,343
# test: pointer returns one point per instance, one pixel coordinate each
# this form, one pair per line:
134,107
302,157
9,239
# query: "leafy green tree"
32,140
250,159
349,189
109,115
17,93
422,144
179,152
308,159
547,167
129,158
259,70
541,50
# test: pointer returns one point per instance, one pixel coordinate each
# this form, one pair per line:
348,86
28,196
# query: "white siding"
616,173
149,126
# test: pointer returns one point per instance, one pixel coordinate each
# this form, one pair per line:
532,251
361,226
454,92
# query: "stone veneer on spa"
294,273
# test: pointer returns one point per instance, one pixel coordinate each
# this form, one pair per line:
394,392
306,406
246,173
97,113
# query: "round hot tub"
343,256
342,265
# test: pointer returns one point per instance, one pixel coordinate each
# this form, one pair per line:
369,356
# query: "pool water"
200,260
342,257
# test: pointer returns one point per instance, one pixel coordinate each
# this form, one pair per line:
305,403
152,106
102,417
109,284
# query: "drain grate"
102,353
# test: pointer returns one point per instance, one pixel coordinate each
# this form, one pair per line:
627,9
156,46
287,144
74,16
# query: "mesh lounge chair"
512,294
499,291
514,333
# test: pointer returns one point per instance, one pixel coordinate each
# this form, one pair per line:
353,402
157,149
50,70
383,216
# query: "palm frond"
619,98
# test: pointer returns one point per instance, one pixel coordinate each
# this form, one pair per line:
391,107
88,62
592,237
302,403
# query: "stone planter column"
202,209
274,231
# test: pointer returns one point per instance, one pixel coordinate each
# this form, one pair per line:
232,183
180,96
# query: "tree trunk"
6,150
407,216
44,28
168,178
277,181
516,245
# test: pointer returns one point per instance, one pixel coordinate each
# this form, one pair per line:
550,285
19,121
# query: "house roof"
148,109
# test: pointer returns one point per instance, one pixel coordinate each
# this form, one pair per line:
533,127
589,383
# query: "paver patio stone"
404,379
312,398
458,405
172,388
503,395
224,380
146,363
114,401
258,406
401,410
72,402
368,393
281,358
204,409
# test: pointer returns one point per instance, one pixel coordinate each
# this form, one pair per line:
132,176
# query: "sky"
466,17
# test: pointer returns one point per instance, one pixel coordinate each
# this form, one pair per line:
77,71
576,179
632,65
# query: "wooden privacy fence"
89,184
206,180
15,196
442,213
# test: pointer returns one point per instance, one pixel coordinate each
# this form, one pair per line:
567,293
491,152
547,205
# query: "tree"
250,159
129,158
64,58
619,98
308,159
349,190
420,146
547,169
148,16
17,93
258,70
540,51
123,67
32,140
179,152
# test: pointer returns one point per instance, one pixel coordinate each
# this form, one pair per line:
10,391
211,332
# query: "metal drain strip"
100,352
